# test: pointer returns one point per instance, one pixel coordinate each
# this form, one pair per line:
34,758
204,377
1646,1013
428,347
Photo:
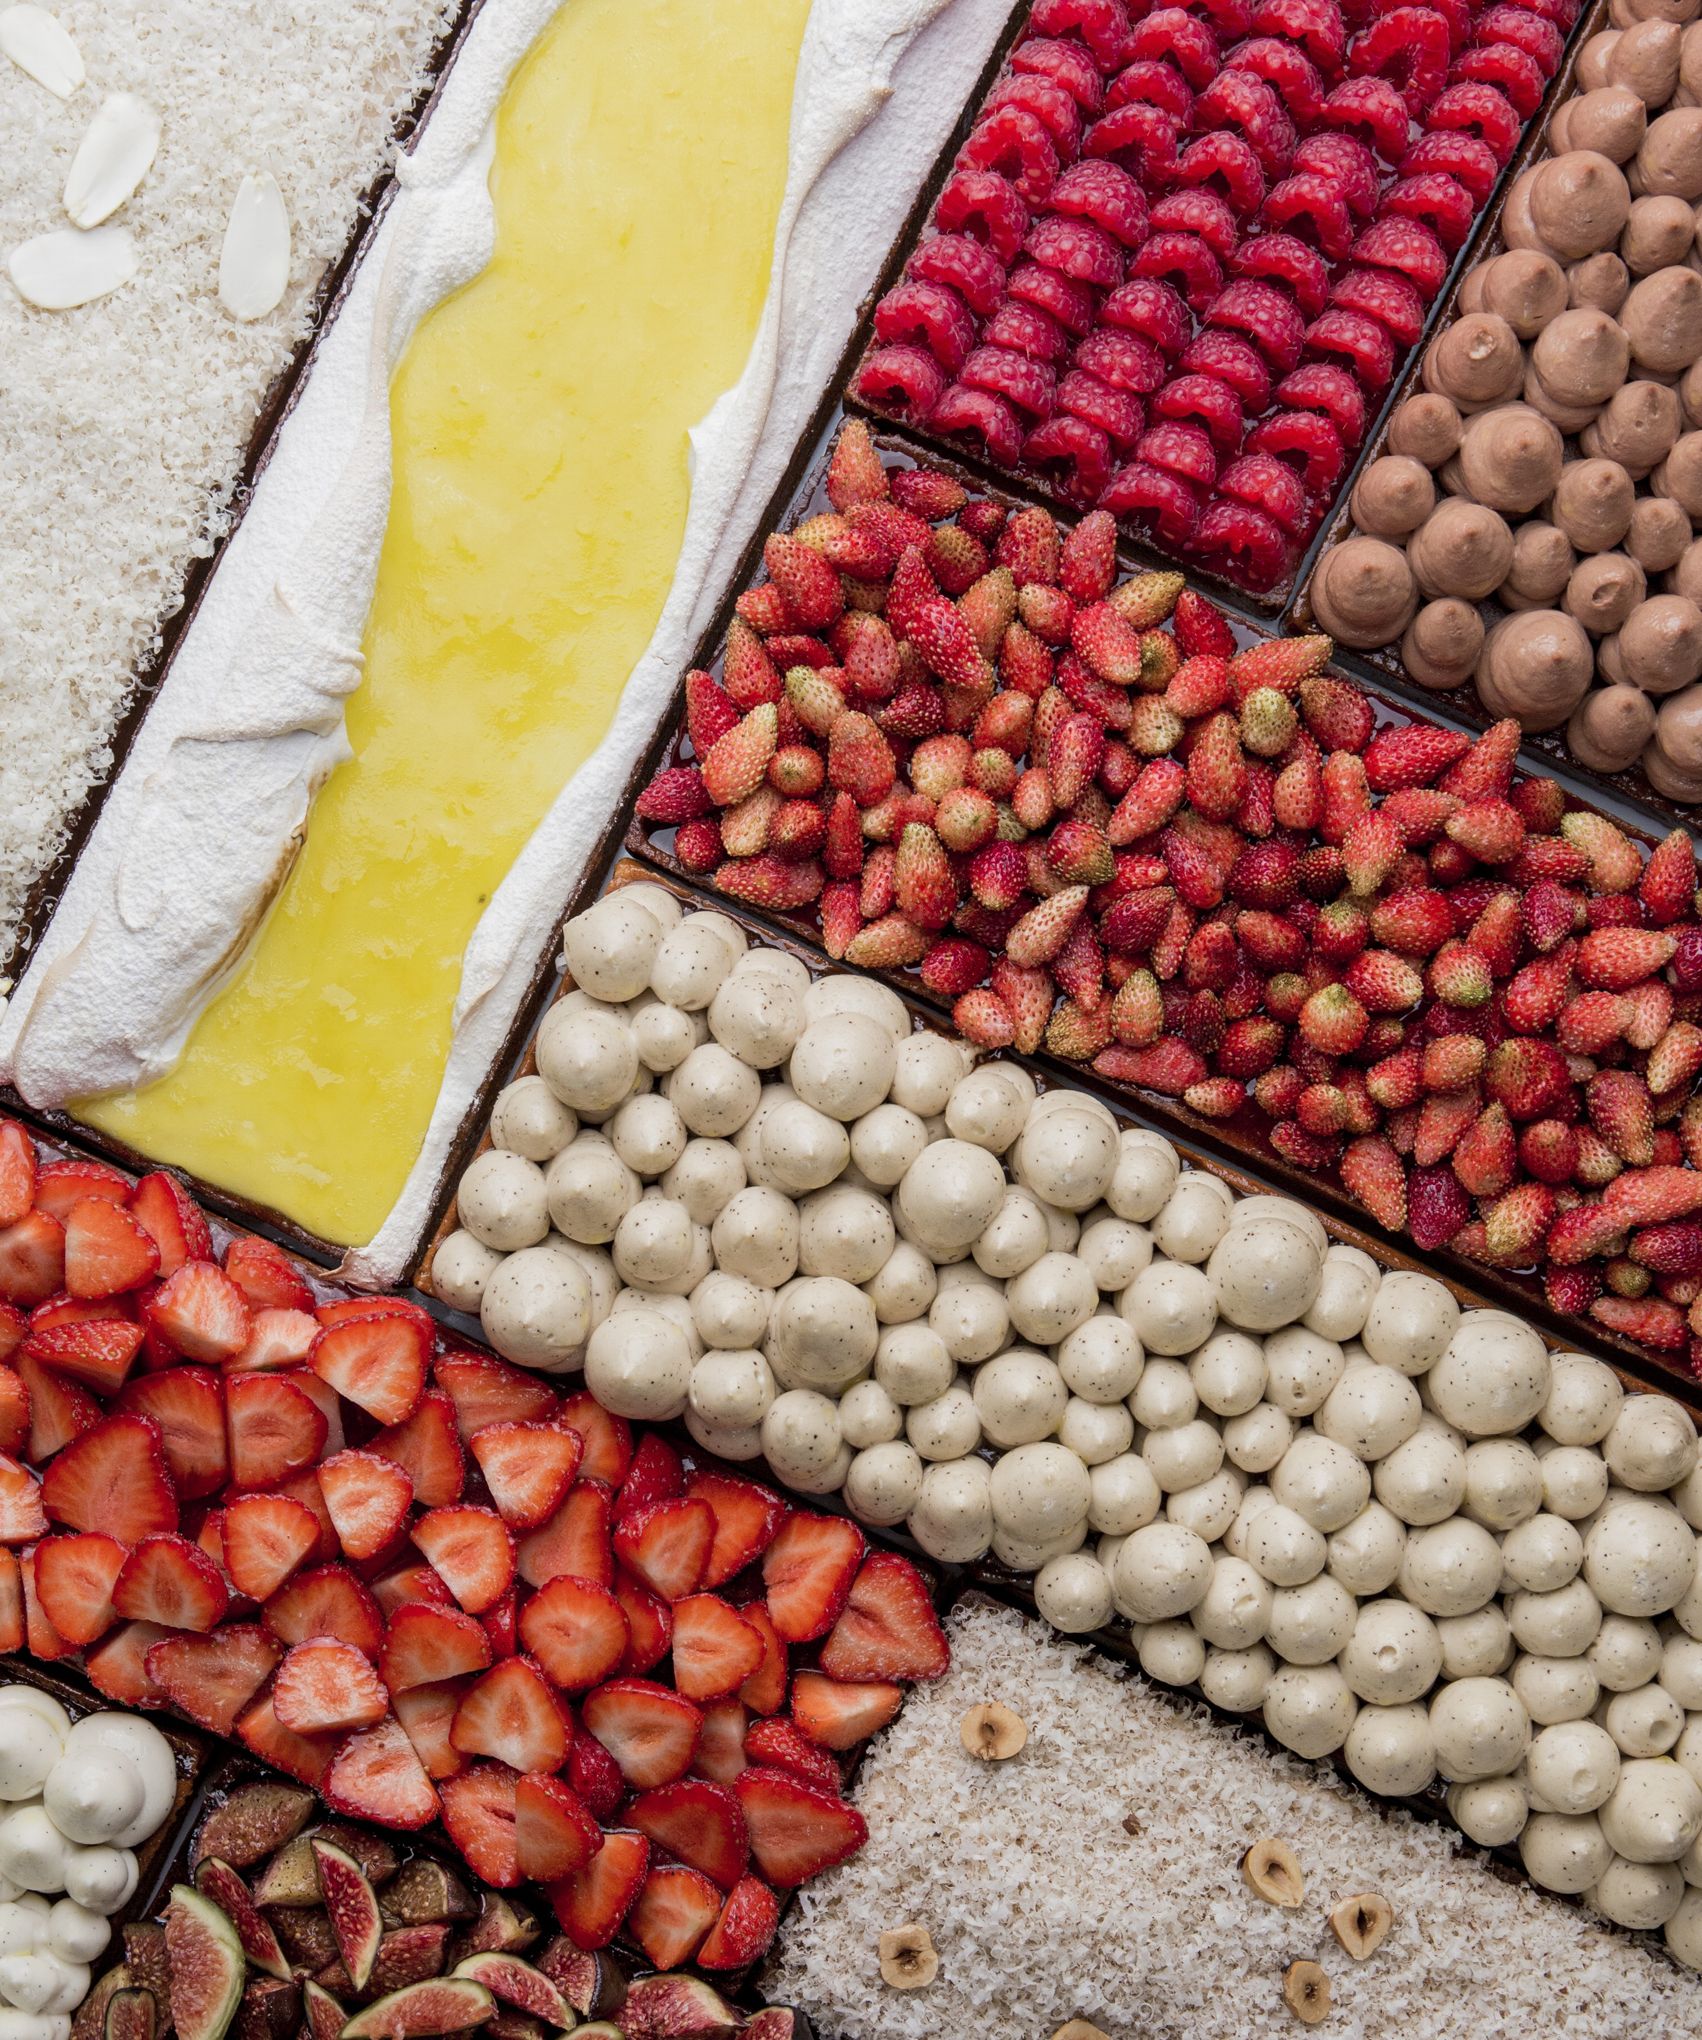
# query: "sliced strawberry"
274,1429
22,1517
554,1834
14,1330
307,1757
592,1905
266,1275
675,1910
608,1439
511,1714
500,1626
213,1678
699,1823
528,1468
17,1172
764,1692
172,1219
720,1752
210,1536
839,1716
11,1602
41,1639
326,1601
747,1926
425,1645
61,1184
783,1746
326,1401
345,1309
98,1352
169,1580
655,1475
118,1667
66,1309
650,1626
74,1578
471,1548
427,1447
187,1405
649,1730
305,1489
575,1540
807,1573
277,1339
106,1251
58,1409
412,1582
478,1811
577,1631
747,1521
200,1313
326,1687
667,1545
32,1259
377,1775
368,1497
888,1629
715,1651
14,1414
377,1363
796,1830
595,1776
113,1478
427,1714
486,1390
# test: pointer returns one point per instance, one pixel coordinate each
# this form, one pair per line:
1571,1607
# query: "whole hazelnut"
1637,427
1659,231
1662,318
1535,667
1603,590
1610,120
1442,643
1475,361
1680,475
1669,159
1525,288
1579,203
1362,592
1660,643
1427,427
1609,727
1510,458
1659,534
1542,561
1394,495
1581,357
1592,502
1599,280
1461,549
1645,59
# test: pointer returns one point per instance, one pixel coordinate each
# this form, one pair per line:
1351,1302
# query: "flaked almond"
116,153
1272,1871
254,264
992,1732
909,1960
63,269
1306,1992
1360,1923
39,43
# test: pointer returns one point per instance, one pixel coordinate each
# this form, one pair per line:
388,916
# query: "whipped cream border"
204,821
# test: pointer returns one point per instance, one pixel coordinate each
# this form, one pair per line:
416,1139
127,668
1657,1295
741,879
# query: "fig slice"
517,1983
90,2020
130,2015
270,2010
778,2022
325,2016
502,1928
253,1821
409,1955
448,2004
352,1908
675,2008
216,1880
593,1985
207,1966
423,1892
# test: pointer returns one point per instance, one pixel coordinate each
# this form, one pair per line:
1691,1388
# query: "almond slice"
40,44
254,264
116,153
1360,1923
64,268
1272,1870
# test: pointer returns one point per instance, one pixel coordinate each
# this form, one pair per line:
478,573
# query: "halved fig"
448,2004
675,2007
325,2016
252,1822
425,1891
352,1908
130,2015
216,1880
409,1955
207,1966
517,1983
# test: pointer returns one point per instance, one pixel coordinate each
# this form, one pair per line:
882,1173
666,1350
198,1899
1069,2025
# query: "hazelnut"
1659,231
1461,549
1581,357
1680,475
1510,458
1542,560
1442,643
1475,361
1669,159
1362,592
1535,667
1525,288
1610,726
992,1732
1603,591
1272,1871
1645,60
1579,203
1660,643
1637,428
1395,495
1361,1923
1306,1992
1427,427
1599,280
908,1958
1610,120
1662,318
1592,501
1659,534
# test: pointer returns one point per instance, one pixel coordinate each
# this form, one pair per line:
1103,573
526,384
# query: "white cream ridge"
200,827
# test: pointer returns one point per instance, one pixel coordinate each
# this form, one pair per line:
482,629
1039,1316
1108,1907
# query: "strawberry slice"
715,1651
675,1910
378,1363
61,1184
172,1219
277,1338
266,1275
326,1601
213,1678
326,1401
748,1923
11,1602
345,1309
106,1251
17,1172
837,1715
32,1259
554,1834
888,1629
22,1517
807,1572
368,1497
595,1776
747,1521
699,1823
720,1752
169,1580
188,1407
478,1811
200,1313
424,1645
118,1667
655,1475
608,1439
427,1447
796,1830
650,1626
265,1538
485,1390
58,1409
528,1468
427,1713
783,1746
113,1478
74,1577
649,1730
667,1545
66,1309
577,1631
500,1626
377,1775
764,1692
41,1639
326,1687
511,1714
575,1540
99,1352
14,1330
307,1757
305,1489
472,1550
593,1903
274,1429
14,1413
413,1582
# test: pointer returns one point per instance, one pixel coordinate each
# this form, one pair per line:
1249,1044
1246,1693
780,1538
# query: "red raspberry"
905,380
1289,72
1052,105
970,269
1021,380
1322,386
1458,15
1482,110
1106,194
986,205
1373,108
1435,200
1172,35
1114,412
1360,341
1154,501
1238,99
1018,146
1185,260
1460,156
1409,45
931,315
1151,309
1026,329
1066,64
1076,453
1180,448
1199,212
1561,12
1409,247
1142,138
1382,295
1214,403
1070,303
1154,84
1263,482
1230,18
1316,25
1311,206
1540,40
1262,312
1308,442
1232,360
1227,164
1346,163
1244,544
1280,258
1518,77
1122,360
1102,24
1078,249
983,416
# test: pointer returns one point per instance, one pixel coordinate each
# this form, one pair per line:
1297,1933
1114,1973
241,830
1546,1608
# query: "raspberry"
1249,547
1344,161
1028,384
1180,448
1361,342
1239,100
1316,25
1268,319
930,314
1480,110
1264,483
985,205
1561,12
1154,84
1123,361
1203,397
1230,18
1076,452
1052,105
1114,412
1461,156
1307,442
1458,15
902,379
1231,360
1518,77
1066,64
1289,72
1017,145
1382,295
1070,303
1372,108
1198,212
1311,205
1107,195
1172,35
970,269
1025,329
1281,258
1140,137
1154,500
1152,310
1409,45
1435,200
1184,259
1102,24
1540,40
1408,247
1078,249
984,416
1227,164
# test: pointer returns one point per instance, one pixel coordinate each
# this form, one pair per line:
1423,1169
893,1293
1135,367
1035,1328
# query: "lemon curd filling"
540,492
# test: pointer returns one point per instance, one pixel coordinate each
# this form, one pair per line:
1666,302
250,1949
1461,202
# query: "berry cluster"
1184,249
948,730
423,1582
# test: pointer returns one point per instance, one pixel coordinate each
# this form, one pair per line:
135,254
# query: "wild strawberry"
1215,1097
815,698
998,875
854,471
1048,612
1147,599
1336,712
1077,746
1312,1152
1410,755
1347,800
1485,1154
1155,729
1322,1108
1169,1066
1383,982
1615,866
966,818
1151,802
841,918
1372,1174
737,761
869,657
1614,959
1268,722
1537,995
983,1020
1200,629
1541,802
1217,771
1517,1223
1297,798
769,882
1458,976
1333,1020
887,944
747,826
1647,1322
1485,772
1651,1008
1653,1195
1589,1021
748,674
988,606
797,771
1087,565
1079,967
923,883
1282,663
842,844
1672,1249
1076,1035
1451,1062
956,558
943,637
1369,847
1529,1077
1108,645
927,492
1027,995
859,759
710,712
1079,853
1437,1207
876,890
1043,930
698,846
1030,546
798,830
1548,1150
1570,1291
1618,1104
1416,922
1199,686
1396,1080
1675,1058
1444,1119
1668,885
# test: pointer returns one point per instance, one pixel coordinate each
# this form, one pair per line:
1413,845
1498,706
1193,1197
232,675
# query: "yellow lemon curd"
540,419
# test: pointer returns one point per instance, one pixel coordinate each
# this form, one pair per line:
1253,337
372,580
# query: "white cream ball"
536,1309
1584,1398
844,1064
530,1120
1101,1361
1171,1306
732,1388
1493,1377
1162,1572
1039,1491
460,1267
1480,1728
1390,1751
1073,1593
883,1482
953,1516
1309,1709
1572,1767
948,1427
1124,1495
1411,1321
638,1364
